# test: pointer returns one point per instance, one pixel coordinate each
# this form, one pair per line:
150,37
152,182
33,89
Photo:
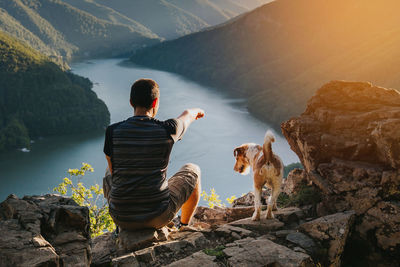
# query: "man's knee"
193,168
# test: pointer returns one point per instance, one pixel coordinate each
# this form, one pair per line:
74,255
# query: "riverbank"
208,142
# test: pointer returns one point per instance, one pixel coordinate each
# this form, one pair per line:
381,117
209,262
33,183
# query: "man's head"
145,94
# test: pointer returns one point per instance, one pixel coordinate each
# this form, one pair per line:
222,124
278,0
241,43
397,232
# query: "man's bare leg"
189,207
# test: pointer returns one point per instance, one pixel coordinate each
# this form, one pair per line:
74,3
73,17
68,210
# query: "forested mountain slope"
280,53
66,30
37,98
103,28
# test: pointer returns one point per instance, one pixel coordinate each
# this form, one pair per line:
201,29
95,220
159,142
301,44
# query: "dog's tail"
267,146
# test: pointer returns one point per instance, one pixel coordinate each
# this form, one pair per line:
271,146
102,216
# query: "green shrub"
306,195
93,198
217,252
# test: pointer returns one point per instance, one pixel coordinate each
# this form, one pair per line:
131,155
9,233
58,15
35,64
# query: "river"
209,142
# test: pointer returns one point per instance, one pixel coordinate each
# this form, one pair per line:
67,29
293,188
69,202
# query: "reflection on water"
209,142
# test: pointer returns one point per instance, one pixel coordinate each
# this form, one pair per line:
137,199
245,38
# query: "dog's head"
242,164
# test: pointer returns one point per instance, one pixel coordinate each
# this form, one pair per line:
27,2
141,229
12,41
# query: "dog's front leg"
257,203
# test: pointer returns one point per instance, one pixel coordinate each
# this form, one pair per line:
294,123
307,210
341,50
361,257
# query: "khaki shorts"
181,186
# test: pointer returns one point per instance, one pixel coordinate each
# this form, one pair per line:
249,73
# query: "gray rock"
258,226
295,179
103,249
333,231
196,259
264,252
289,215
303,241
50,230
128,260
146,255
218,216
19,247
134,240
227,231
284,233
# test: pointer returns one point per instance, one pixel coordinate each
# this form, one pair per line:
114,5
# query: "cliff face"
348,140
44,231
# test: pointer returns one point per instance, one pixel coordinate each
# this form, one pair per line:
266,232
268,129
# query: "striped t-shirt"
139,149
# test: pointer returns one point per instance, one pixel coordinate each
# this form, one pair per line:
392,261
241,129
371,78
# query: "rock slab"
45,230
264,252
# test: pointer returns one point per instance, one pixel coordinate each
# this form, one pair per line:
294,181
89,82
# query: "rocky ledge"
342,209
348,140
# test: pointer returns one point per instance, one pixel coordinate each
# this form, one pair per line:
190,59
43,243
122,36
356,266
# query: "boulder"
196,259
303,241
295,179
19,247
248,199
135,240
44,230
289,215
348,140
229,232
383,220
104,247
348,120
331,231
264,252
263,226
218,215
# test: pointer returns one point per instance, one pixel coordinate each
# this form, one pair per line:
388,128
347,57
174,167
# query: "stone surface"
228,231
197,259
303,241
248,199
19,247
45,230
128,260
258,226
331,231
348,120
218,216
264,252
104,248
295,179
384,221
134,240
289,215
348,140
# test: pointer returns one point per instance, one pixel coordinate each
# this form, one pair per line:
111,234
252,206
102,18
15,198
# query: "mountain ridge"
72,29
277,58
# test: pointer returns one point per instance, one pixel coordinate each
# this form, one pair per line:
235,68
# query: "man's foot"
179,225
116,232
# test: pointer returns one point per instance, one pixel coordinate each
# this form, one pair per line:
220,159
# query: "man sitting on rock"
137,151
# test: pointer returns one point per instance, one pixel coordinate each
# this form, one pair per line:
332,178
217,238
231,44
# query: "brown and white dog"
267,170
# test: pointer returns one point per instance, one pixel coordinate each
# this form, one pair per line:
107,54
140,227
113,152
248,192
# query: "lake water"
209,142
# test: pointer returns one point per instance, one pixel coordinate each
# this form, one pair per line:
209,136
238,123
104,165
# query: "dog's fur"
267,170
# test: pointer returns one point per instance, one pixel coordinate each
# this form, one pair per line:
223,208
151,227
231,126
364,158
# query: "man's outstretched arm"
190,115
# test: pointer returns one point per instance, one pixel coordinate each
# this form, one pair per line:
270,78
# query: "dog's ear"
238,151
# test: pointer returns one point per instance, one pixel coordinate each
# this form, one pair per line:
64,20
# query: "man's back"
139,149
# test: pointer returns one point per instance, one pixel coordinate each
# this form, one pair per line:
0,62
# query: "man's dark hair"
144,92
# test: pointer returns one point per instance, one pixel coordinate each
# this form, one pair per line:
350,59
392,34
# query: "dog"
267,170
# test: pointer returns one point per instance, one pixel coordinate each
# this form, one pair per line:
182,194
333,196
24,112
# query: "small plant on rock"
213,199
92,197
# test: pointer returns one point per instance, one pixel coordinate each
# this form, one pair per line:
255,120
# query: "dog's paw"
256,216
269,215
